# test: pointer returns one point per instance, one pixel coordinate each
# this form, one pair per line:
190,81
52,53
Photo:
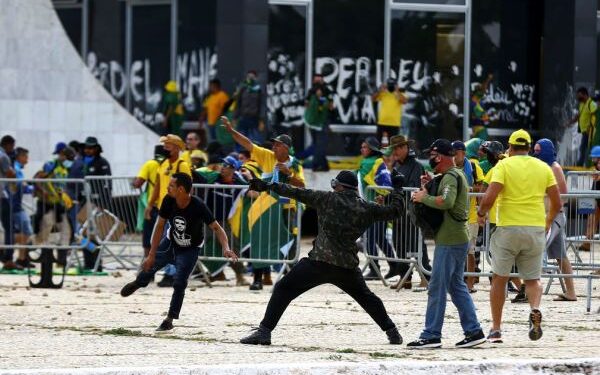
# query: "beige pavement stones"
87,324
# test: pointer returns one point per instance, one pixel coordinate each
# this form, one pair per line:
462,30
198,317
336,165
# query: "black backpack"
429,219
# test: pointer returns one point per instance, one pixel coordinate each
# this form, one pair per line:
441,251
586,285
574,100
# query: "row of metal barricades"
402,245
97,223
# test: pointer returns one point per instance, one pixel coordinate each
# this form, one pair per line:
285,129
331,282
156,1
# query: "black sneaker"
394,336
475,339
391,273
535,324
129,289
260,336
257,285
495,337
164,326
425,344
521,297
166,282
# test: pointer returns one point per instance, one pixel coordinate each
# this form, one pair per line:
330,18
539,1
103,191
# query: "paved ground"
88,324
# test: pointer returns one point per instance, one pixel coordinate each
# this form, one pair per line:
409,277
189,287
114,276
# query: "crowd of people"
521,204
58,202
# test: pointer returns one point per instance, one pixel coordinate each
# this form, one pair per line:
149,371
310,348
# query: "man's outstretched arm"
306,196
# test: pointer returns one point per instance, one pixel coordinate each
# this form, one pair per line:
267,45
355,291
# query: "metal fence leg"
203,274
589,294
404,278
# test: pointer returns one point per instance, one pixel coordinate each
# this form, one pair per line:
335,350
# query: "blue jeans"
376,235
184,259
320,143
447,277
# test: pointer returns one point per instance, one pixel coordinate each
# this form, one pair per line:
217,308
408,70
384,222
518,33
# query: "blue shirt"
18,189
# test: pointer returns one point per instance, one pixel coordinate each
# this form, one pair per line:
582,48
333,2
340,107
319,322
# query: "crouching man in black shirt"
187,216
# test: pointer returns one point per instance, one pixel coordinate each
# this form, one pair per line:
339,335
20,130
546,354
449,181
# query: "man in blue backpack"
451,243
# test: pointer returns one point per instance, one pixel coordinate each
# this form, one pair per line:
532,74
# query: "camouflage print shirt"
343,218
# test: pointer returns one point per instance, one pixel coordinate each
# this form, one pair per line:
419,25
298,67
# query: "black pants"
308,274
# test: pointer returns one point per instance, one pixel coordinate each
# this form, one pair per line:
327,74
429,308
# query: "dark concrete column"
242,39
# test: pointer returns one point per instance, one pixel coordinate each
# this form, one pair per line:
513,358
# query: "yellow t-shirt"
214,105
521,201
390,109
168,169
266,161
148,172
587,115
473,201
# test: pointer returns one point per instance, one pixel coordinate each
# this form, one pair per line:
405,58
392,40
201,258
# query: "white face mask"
67,163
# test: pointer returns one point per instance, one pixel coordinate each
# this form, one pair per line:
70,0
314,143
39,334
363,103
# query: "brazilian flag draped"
270,231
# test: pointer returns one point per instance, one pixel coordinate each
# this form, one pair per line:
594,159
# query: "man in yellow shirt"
520,184
147,175
391,100
277,164
173,163
213,107
586,122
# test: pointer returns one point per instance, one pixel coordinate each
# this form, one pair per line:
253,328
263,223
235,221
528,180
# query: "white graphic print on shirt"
181,238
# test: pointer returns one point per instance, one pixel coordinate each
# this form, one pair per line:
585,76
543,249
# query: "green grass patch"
122,332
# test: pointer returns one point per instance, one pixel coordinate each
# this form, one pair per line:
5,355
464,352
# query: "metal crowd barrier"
398,242
39,223
117,213
579,208
105,212
581,180
262,229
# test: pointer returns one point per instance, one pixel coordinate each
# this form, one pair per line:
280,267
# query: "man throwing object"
187,216
343,217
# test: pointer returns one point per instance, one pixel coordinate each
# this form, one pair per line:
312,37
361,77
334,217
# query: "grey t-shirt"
5,166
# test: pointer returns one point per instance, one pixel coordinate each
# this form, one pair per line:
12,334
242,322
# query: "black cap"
441,146
493,147
459,146
283,138
347,179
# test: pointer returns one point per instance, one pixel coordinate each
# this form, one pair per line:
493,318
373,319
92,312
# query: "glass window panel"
427,54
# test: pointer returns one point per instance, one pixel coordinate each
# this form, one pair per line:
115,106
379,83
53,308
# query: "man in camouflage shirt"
343,218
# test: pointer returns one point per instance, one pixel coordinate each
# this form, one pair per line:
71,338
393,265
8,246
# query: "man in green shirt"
451,244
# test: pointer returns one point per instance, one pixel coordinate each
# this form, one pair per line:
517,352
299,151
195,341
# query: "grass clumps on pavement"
122,332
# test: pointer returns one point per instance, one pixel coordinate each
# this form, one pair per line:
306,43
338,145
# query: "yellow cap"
520,138
171,86
174,140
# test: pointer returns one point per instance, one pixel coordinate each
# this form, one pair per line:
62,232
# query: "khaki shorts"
523,246
473,231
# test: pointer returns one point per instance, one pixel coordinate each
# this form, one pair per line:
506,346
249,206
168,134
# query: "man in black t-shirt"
187,216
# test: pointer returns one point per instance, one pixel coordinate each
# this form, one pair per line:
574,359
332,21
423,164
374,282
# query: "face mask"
67,163
88,159
433,163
